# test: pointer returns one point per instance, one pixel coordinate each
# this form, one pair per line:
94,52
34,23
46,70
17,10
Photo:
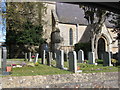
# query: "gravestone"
91,57
49,59
25,56
80,56
51,54
102,56
36,57
119,56
60,59
4,61
0,57
29,57
43,57
107,59
72,61
54,56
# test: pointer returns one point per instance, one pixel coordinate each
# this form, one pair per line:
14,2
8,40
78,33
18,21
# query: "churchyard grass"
47,70
37,70
15,59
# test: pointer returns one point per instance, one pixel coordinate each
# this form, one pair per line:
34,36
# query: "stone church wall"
47,26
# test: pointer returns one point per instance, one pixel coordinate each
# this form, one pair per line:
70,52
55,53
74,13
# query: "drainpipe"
77,33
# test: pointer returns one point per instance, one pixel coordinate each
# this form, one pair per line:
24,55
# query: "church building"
68,23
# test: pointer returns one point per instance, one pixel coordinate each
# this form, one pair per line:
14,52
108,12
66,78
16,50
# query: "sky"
2,22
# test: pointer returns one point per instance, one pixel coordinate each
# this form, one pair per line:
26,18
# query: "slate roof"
70,13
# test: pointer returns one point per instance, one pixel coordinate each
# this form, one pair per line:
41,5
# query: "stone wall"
88,80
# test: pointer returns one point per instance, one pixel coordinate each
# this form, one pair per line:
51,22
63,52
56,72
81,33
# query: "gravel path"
82,80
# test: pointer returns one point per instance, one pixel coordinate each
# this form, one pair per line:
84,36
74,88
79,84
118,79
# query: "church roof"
70,13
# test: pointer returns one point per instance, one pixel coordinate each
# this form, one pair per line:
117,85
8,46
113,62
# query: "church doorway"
101,48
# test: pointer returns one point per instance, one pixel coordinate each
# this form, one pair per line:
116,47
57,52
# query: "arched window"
71,36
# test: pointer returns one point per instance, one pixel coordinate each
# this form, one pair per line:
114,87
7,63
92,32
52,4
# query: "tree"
24,24
96,17
116,21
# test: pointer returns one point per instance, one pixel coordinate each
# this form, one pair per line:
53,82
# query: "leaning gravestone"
60,59
72,61
29,59
91,57
43,57
36,57
80,56
107,59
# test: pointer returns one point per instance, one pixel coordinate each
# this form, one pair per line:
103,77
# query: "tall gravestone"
119,55
60,59
80,56
29,59
91,58
43,57
49,59
0,57
4,61
25,56
107,59
72,61
36,57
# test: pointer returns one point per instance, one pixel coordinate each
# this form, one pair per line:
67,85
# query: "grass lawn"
15,59
47,70
38,70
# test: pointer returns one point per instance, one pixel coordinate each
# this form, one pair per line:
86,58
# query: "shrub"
86,47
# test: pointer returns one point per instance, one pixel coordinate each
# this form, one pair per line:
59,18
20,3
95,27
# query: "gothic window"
71,36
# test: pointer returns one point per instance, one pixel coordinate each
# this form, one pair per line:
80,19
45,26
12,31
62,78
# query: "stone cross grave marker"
29,57
72,61
91,57
25,56
36,57
60,59
43,57
80,56
107,59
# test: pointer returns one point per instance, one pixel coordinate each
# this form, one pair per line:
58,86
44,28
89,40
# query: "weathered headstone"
80,56
0,57
4,61
49,59
36,57
60,59
72,61
91,58
43,57
51,54
119,56
29,59
102,56
25,56
54,56
107,59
